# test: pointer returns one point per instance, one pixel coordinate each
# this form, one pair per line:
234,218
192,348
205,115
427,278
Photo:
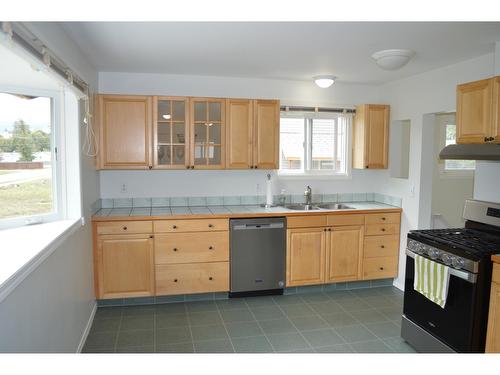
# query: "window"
450,135
29,192
313,144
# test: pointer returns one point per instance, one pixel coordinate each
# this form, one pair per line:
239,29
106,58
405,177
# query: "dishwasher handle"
258,226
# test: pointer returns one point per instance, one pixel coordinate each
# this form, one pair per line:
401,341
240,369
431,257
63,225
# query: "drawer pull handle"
383,229
210,278
151,236
124,228
210,248
381,268
174,226
329,229
210,225
383,219
175,249
175,280
382,246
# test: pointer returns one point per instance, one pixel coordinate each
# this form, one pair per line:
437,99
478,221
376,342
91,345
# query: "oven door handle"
467,276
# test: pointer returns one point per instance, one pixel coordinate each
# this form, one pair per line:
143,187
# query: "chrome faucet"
308,195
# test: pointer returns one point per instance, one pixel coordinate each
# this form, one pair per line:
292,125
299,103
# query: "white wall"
487,181
417,98
448,192
207,183
49,310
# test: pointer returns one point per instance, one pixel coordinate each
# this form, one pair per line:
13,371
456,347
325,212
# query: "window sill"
27,247
313,176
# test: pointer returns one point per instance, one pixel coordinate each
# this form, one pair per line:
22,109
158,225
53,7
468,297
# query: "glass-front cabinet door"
207,133
171,133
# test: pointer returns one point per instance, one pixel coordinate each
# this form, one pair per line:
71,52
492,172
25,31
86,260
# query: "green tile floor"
362,320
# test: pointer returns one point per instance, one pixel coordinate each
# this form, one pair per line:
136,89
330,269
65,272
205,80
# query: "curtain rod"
316,109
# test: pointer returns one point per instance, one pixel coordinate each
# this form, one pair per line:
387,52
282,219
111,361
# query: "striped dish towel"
431,279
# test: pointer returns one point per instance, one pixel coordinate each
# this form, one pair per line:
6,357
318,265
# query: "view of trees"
24,141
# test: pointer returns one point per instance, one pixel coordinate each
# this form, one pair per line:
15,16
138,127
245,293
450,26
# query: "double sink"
311,207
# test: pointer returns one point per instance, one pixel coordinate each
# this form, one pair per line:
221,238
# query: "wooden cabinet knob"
381,268
210,248
174,226
151,236
329,229
382,246
175,249
175,280
210,278
383,219
210,225
383,229
124,228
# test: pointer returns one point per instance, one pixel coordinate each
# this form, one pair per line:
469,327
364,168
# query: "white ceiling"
288,50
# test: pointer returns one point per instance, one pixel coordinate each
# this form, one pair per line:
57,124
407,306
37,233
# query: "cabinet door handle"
492,139
210,225
174,226
210,278
486,139
382,246
175,280
151,236
383,219
381,268
124,228
210,248
255,167
175,249
329,229
383,229
367,166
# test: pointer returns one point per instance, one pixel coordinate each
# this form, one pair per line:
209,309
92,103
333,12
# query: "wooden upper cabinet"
125,124
239,133
252,134
171,132
207,133
474,111
371,136
305,256
495,131
125,266
344,253
266,142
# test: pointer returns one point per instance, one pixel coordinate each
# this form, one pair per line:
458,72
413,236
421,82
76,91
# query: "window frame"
306,172
443,171
58,183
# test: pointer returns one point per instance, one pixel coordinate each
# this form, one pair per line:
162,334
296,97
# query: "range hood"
488,151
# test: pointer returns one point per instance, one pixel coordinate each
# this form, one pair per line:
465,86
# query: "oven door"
453,324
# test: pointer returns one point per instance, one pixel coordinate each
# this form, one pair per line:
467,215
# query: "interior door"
344,253
305,256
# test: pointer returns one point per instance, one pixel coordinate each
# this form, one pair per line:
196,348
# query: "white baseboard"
398,285
87,329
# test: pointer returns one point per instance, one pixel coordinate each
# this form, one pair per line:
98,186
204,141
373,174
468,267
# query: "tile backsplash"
138,203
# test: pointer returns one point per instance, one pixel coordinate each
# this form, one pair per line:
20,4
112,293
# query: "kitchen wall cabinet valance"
371,136
252,134
478,111
163,132
124,131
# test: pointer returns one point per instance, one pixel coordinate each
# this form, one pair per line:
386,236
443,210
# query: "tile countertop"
148,213
496,258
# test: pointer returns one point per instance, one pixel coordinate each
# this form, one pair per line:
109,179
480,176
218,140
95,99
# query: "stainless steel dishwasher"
257,256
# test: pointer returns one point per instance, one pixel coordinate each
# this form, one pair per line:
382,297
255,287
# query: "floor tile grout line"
260,326
118,331
225,328
189,326
300,333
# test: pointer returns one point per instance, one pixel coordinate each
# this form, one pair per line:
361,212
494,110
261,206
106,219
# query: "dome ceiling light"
324,81
393,59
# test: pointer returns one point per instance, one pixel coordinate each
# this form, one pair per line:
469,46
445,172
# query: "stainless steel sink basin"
334,206
302,207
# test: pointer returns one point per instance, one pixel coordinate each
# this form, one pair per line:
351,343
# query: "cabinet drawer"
116,227
381,246
305,221
496,273
345,220
192,278
381,229
194,225
387,218
380,268
191,247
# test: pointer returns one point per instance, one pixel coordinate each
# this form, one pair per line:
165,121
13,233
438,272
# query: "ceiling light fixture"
324,81
393,59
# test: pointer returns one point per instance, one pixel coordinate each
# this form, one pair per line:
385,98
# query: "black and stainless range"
461,325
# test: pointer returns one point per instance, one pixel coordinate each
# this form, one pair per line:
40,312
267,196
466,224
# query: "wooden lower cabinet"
125,266
305,256
192,278
344,253
493,335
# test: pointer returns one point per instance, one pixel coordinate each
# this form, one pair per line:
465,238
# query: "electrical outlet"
123,187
